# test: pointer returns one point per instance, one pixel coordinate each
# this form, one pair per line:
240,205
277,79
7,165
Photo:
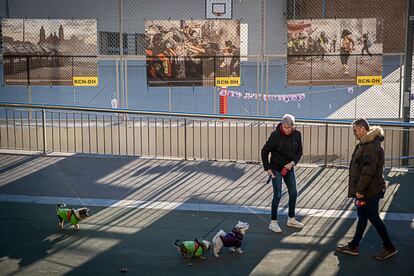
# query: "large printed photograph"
191,52
333,51
48,52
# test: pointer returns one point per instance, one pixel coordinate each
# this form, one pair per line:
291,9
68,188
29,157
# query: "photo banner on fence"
192,52
49,51
334,51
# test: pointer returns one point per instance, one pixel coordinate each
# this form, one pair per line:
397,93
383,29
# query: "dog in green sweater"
190,249
73,216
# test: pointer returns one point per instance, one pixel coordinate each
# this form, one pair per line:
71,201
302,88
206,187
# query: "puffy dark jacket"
283,148
367,165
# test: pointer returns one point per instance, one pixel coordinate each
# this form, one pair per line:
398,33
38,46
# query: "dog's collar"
236,231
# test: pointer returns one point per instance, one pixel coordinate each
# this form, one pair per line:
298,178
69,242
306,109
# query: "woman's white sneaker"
292,222
275,227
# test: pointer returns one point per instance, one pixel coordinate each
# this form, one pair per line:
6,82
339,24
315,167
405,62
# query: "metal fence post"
121,53
407,89
44,130
169,98
263,52
400,115
185,139
326,146
267,87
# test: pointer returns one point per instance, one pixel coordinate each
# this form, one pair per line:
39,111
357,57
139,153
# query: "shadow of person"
38,250
347,263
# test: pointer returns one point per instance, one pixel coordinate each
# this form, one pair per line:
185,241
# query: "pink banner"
254,96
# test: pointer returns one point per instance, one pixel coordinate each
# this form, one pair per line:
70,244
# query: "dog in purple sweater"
232,240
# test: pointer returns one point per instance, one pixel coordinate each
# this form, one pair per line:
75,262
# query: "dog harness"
68,215
232,239
194,248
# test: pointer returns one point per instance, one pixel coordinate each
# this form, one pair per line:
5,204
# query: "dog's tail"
178,243
60,205
181,248
219,234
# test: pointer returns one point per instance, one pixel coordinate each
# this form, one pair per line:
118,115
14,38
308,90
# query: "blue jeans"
370,212
290,181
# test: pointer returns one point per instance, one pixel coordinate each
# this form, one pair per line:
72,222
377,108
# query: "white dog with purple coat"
232,240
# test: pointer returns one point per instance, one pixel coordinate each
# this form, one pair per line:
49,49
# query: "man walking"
366,185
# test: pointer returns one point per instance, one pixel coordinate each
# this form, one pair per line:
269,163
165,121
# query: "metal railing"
180,135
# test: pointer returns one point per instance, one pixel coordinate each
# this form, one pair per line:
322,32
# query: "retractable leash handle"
360,202
284,171
269,179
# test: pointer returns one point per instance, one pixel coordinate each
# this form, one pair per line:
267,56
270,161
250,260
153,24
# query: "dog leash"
215,226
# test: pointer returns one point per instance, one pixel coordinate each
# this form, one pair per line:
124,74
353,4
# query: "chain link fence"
263,33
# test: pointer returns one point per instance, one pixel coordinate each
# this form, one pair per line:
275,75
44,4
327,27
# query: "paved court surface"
122,233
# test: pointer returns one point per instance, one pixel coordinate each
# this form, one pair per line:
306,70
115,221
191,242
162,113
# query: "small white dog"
232,240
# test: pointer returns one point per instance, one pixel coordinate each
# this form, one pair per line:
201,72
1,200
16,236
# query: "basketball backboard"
219,9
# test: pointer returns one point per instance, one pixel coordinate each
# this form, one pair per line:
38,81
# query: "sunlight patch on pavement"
280,260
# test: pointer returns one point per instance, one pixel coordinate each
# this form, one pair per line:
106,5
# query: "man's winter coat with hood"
367,164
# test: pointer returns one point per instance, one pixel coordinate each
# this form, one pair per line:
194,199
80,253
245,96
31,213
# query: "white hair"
288,120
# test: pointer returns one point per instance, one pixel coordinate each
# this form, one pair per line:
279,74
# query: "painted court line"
164,205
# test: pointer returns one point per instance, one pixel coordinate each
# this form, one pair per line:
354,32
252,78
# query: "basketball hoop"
218,14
